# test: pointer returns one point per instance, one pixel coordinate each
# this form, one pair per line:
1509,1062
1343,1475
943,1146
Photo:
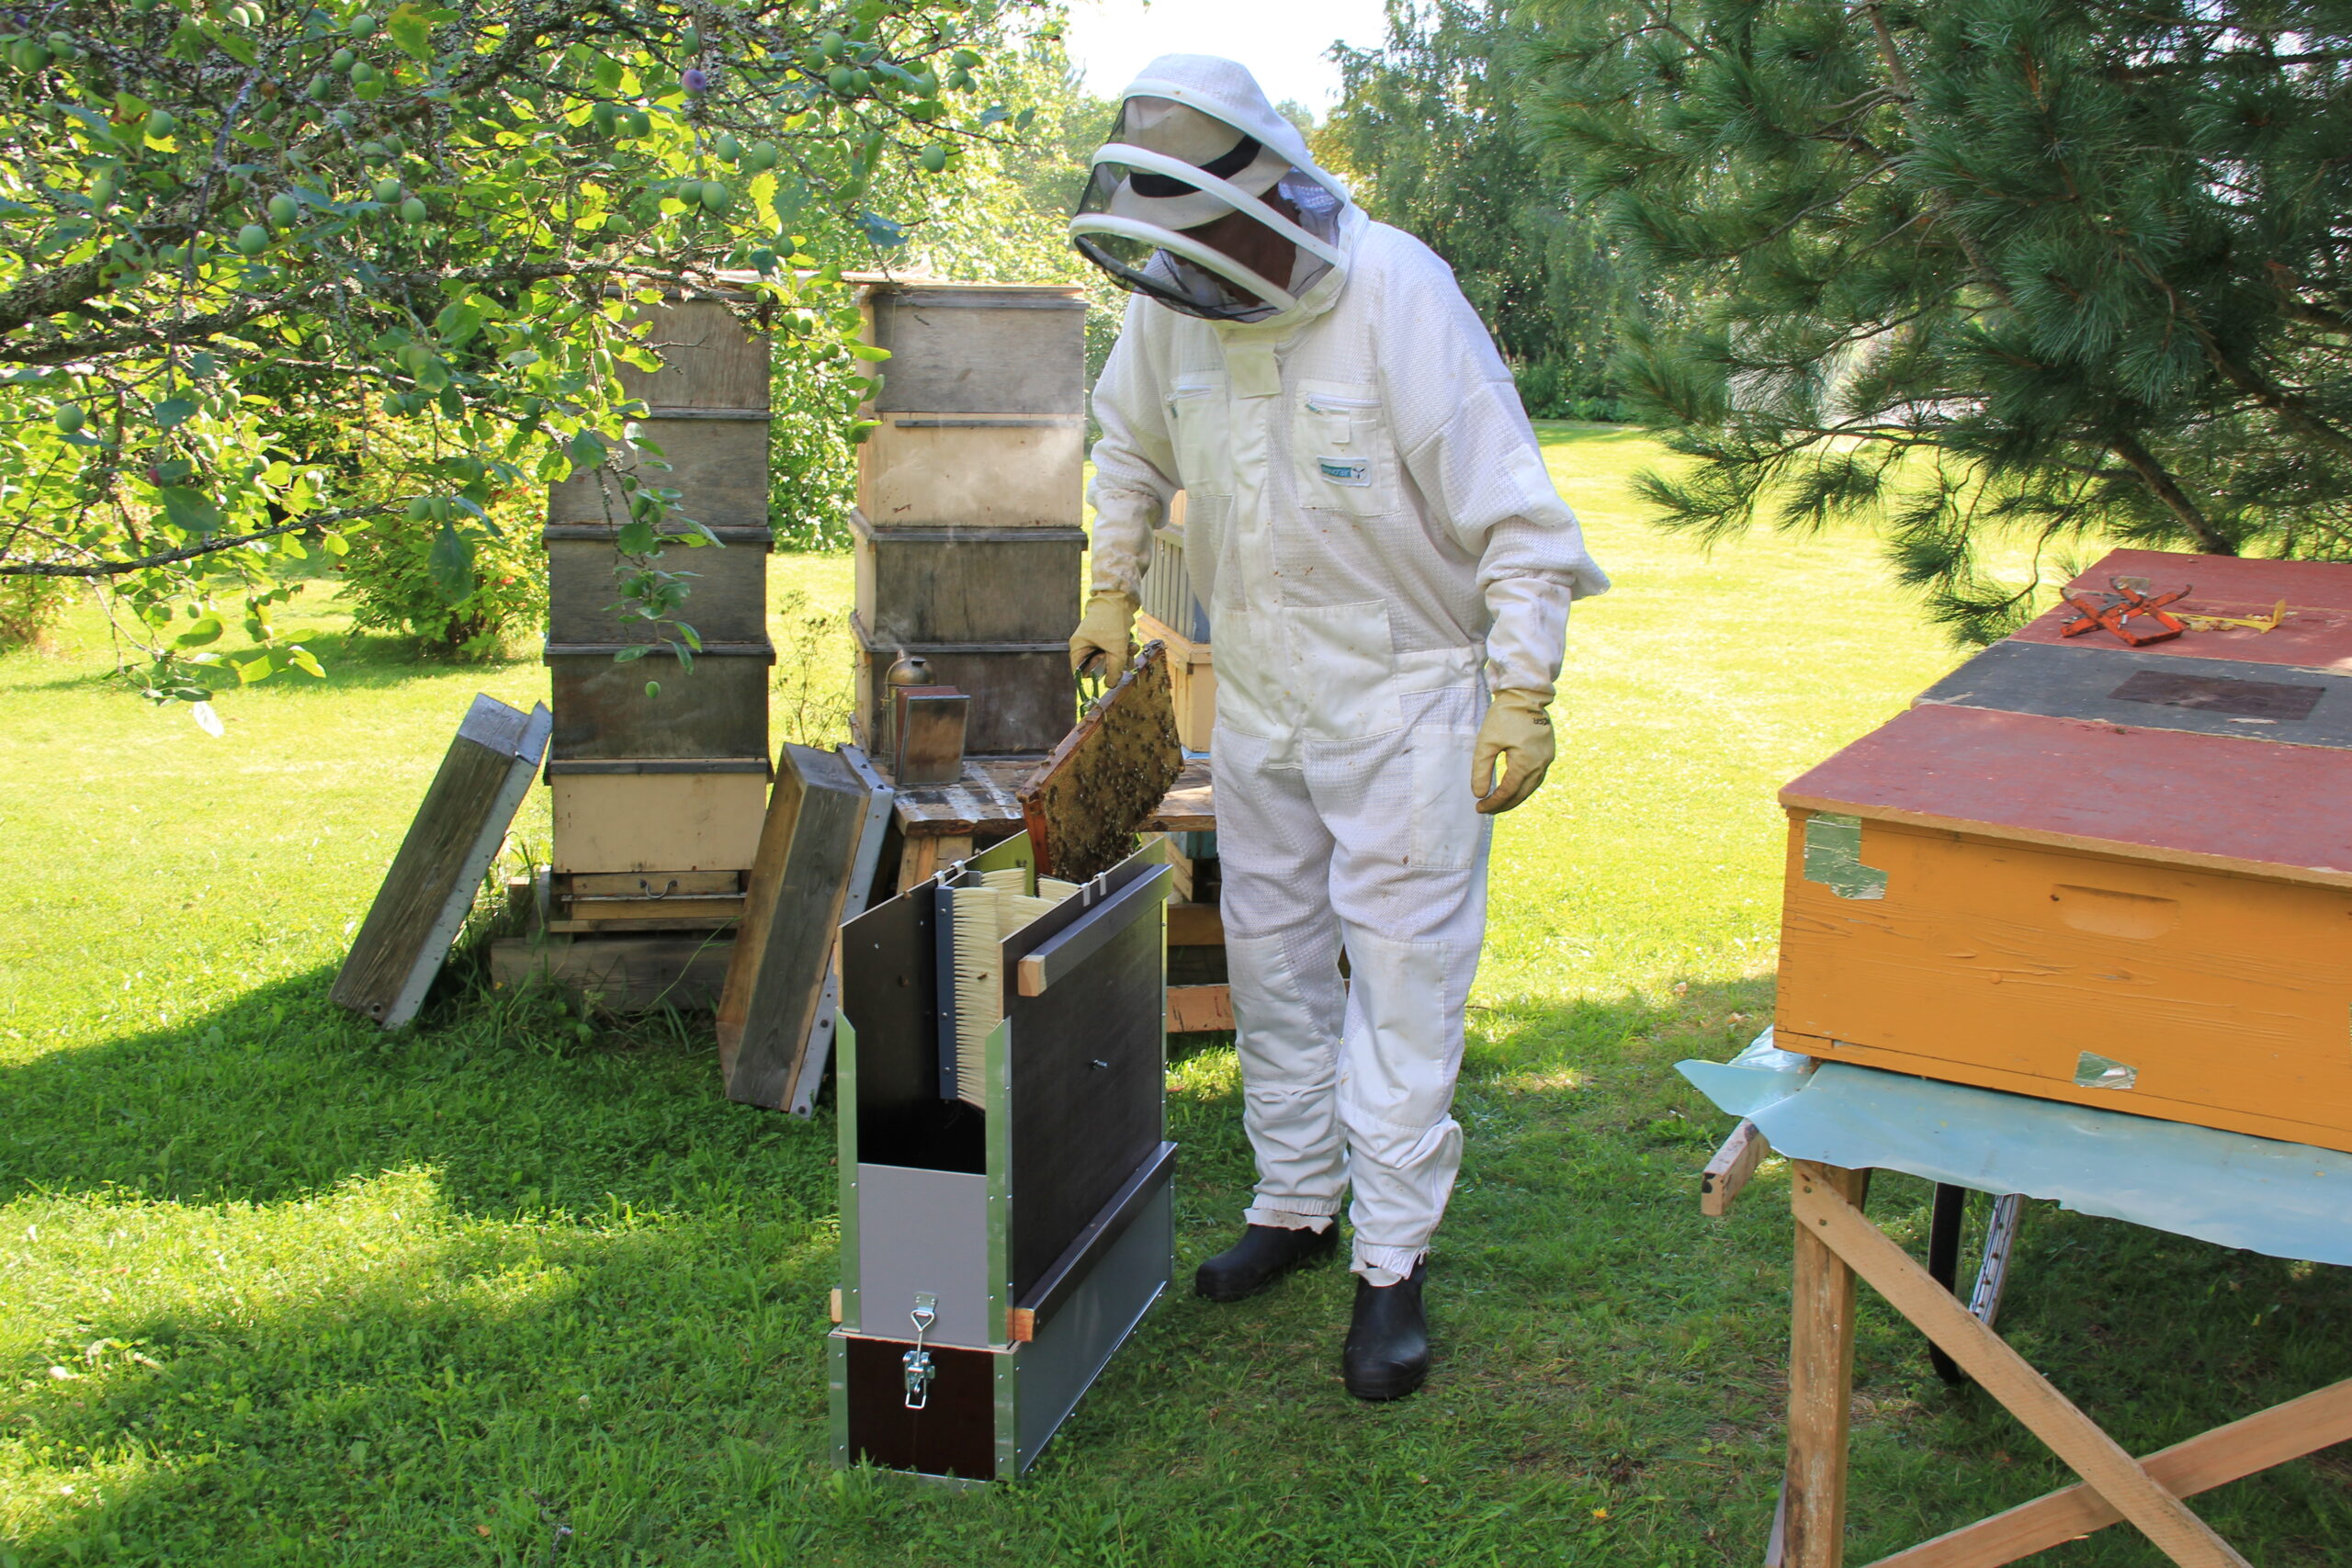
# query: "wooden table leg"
1821,1385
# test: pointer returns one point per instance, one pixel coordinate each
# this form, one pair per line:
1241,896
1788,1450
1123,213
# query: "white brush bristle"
979,989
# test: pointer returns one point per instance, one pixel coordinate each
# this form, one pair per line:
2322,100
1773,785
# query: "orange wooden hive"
2115,876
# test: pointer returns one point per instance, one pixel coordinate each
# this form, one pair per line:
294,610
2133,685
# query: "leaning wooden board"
816,861
2118,877
441,863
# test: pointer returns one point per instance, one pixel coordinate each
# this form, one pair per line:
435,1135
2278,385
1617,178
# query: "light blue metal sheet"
2282,1200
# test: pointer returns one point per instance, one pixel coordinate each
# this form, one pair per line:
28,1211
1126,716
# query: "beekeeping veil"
1195,142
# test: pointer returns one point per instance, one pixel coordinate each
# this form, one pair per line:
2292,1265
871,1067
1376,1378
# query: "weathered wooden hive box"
2121,877
657,798
968,533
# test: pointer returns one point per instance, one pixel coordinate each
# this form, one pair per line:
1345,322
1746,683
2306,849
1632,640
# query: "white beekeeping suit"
1371,524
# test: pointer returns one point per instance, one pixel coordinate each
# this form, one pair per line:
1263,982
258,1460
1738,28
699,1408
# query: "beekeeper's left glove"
1518,734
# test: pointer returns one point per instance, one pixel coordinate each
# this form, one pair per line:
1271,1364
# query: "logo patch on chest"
1352,472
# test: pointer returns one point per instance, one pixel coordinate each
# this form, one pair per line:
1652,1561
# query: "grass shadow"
516,1099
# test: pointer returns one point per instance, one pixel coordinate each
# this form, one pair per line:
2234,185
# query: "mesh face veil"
1159,211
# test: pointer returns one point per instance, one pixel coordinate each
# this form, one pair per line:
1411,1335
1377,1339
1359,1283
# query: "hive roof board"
2176,752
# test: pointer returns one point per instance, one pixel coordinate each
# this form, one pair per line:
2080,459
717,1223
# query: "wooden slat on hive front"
431,883
2202,800
2209,697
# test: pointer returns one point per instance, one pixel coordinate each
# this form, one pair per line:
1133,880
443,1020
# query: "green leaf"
190,508
457,321
869,352
207,630
587,449
412,28
173,412
307,662
451,563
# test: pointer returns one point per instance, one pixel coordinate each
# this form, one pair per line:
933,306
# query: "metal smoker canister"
911,669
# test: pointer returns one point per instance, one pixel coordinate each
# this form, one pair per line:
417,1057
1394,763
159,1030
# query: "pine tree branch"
1900,75
2166,490
2291,410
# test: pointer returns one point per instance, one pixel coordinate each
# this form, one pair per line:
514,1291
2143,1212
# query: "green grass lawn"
518,1287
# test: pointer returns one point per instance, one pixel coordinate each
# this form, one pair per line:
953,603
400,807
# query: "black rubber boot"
1263,1254
1387,1354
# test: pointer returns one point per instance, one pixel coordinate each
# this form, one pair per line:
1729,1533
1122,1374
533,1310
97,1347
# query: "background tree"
272,274
2038,267
1001,216
1432,127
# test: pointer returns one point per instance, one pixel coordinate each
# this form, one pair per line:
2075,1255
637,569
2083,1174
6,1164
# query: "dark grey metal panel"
1057,1367
1086,1065
890,994
2154,691
927,1231
1067,1276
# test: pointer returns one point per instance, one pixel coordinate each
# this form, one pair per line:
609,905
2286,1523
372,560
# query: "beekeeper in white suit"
1388,570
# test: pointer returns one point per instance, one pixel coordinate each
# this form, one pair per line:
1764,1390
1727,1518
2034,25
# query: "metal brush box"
994,1260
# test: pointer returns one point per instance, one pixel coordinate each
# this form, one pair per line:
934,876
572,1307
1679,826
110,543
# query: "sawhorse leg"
1820,1390
1821,1373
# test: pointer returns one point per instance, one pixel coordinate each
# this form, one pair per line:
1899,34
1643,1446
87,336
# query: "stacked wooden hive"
968,541
659,773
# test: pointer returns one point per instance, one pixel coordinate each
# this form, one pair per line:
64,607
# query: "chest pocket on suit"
1198,430
1341,448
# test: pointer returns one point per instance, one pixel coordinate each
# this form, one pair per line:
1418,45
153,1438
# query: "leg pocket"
1448,833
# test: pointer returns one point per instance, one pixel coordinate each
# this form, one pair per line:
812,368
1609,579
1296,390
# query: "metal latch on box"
917,1363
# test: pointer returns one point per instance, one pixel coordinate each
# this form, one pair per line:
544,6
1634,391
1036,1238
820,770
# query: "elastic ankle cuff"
1386,1266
